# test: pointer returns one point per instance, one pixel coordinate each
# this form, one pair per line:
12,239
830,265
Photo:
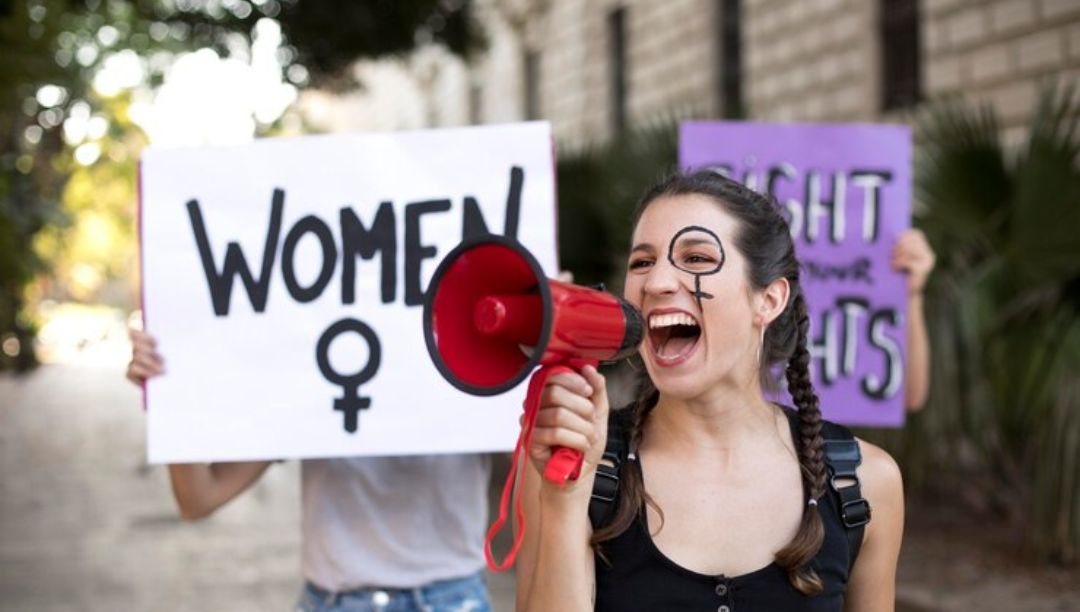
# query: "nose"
663,278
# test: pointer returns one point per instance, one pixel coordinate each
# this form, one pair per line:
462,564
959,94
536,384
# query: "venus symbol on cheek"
688,241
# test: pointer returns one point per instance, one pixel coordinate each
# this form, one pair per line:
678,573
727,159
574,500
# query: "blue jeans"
467,594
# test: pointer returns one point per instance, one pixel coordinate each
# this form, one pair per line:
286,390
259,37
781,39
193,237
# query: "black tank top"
637,576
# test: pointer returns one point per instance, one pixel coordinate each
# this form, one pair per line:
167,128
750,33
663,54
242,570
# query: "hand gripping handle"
563,466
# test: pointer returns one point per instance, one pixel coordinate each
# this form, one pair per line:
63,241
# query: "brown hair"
763,238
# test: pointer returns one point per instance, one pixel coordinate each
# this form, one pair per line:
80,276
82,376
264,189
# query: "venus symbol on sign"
350,403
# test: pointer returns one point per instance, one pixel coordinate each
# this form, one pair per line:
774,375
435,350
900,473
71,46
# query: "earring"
761,345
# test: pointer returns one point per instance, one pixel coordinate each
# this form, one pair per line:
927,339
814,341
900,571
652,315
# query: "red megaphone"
491,317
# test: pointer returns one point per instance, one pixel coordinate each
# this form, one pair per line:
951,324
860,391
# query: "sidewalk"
86,525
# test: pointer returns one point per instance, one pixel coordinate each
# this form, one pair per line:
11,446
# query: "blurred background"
992,464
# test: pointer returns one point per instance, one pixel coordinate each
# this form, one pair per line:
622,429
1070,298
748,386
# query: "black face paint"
711,237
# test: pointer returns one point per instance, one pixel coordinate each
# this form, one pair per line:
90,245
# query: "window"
476,104
899,53
729,17
617,64
532,84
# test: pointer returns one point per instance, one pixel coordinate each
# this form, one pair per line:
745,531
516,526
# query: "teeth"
667,320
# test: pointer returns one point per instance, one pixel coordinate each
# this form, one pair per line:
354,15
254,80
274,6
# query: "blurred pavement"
86,525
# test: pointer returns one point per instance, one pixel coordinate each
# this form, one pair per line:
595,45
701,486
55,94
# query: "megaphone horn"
491,317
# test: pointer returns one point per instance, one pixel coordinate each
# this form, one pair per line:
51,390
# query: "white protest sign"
284,281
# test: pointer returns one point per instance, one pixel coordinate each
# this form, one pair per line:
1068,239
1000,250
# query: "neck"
725,418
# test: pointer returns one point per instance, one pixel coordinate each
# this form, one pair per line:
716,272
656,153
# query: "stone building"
595,67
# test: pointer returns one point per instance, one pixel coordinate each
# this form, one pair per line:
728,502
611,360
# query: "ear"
772,301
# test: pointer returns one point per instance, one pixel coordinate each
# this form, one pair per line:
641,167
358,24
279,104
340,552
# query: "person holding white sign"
378,533
710,497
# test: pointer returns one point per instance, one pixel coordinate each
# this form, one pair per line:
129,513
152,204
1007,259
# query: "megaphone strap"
521,449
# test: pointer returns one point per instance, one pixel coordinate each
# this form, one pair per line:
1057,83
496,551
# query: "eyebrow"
642,247
697,241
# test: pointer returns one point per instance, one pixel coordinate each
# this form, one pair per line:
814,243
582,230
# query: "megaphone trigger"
564,466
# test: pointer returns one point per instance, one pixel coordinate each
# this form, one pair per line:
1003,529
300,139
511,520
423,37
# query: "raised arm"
917,385
872,585
199,488
914,256
555,567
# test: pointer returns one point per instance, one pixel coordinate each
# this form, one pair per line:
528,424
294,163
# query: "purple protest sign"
846,191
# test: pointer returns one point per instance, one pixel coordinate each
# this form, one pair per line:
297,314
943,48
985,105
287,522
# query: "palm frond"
1042,245
1004,409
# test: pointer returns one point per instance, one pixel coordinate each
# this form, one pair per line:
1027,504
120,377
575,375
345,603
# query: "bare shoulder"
882,483
879,473
872,584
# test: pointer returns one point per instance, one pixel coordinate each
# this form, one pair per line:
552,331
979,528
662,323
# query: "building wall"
669,67
802,60
999,52
566,85
805,60
809,61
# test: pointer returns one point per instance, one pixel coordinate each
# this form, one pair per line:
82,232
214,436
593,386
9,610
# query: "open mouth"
673,337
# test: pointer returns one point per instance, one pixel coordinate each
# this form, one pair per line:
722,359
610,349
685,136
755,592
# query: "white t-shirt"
399,522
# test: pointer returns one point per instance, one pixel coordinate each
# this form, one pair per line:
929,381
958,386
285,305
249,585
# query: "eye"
699,259
696,250
699,263
639,263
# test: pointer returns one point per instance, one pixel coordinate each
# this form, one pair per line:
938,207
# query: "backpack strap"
842,458
605,491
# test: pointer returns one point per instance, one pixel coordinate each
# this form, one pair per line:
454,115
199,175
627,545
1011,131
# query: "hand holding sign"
913,255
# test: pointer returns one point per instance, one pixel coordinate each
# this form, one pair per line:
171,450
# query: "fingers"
142,342
150,362
573,414
913,246
599,399
145,362
913,255
571,381
140,337
573,395
602,408
138,373
566,412
561,427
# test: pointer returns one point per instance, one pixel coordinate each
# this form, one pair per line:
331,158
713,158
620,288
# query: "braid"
796,556
647,399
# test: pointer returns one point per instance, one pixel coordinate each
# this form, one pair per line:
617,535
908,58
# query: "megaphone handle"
564,464
521,450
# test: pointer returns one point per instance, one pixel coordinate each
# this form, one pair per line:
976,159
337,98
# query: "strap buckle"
859,517
606,491
854,486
